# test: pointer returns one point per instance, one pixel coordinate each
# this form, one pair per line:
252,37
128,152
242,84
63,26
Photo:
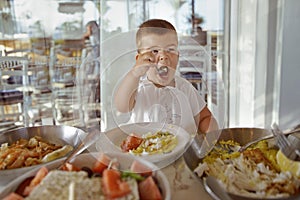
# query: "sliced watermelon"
131,142
149,190
140,168
113,186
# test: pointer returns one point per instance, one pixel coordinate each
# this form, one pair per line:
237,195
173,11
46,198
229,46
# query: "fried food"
23,152
252,173
257,156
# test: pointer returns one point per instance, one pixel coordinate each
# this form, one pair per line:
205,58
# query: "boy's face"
164,50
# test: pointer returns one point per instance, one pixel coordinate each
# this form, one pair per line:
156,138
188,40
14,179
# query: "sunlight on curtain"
253,55
248,27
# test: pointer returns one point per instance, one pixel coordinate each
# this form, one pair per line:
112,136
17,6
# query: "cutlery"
230,148
296,142
91,138
162,70
265,138
287,148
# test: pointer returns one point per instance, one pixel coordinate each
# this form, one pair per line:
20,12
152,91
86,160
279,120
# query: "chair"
17,52
195,63
88,82
41,94
66,106
41,45
69,47
17,47
14,91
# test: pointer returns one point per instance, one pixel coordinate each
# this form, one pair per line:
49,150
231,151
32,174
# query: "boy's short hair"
154,26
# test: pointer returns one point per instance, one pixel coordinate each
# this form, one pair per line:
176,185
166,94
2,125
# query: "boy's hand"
143,63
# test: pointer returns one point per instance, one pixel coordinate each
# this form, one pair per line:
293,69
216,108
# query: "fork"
284,144
162,70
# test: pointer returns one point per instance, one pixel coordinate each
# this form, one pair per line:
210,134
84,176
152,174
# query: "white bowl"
114,138
87,160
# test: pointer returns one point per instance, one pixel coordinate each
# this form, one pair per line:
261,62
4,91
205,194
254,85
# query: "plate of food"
26,148
260,171
158,143
94,175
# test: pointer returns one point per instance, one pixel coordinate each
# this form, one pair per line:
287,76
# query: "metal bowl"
60,135
87,160
240,135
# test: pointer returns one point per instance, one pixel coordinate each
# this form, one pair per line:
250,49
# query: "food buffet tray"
240,135
59,135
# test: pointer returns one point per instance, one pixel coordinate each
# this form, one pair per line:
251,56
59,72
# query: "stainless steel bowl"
241,135
59,135
87,160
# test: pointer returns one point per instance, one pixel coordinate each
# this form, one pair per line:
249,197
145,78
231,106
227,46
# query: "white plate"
87,160
114,138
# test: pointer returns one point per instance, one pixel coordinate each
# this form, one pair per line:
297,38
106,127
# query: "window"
201,21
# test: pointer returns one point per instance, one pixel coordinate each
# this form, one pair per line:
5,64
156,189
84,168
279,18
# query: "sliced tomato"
21,188
70,167
102,163
113,186
140,168
149,190
13,196
43,171
131,142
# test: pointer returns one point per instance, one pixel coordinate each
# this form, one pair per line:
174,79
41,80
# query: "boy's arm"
124,98
125,93
206,120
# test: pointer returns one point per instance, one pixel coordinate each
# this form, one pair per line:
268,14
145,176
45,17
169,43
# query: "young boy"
152,92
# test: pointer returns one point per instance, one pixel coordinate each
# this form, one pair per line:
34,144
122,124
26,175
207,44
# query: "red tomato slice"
70,167
21,188
149,190
36,180
102,163
113,186
140,168
131,142
13,196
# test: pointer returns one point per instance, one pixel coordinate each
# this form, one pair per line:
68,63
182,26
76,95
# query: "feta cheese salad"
104,180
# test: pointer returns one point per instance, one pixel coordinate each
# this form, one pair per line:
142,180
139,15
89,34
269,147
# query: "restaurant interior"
230,41
241,56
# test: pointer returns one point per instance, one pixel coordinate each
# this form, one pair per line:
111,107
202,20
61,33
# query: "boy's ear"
137,56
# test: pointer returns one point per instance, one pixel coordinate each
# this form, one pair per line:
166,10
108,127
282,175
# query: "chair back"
41,94
14,91
195,63
88,83
65,93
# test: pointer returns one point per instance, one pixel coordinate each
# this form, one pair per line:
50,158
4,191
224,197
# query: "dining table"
184,183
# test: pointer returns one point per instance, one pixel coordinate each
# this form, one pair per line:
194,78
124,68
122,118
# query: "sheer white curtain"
254,30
